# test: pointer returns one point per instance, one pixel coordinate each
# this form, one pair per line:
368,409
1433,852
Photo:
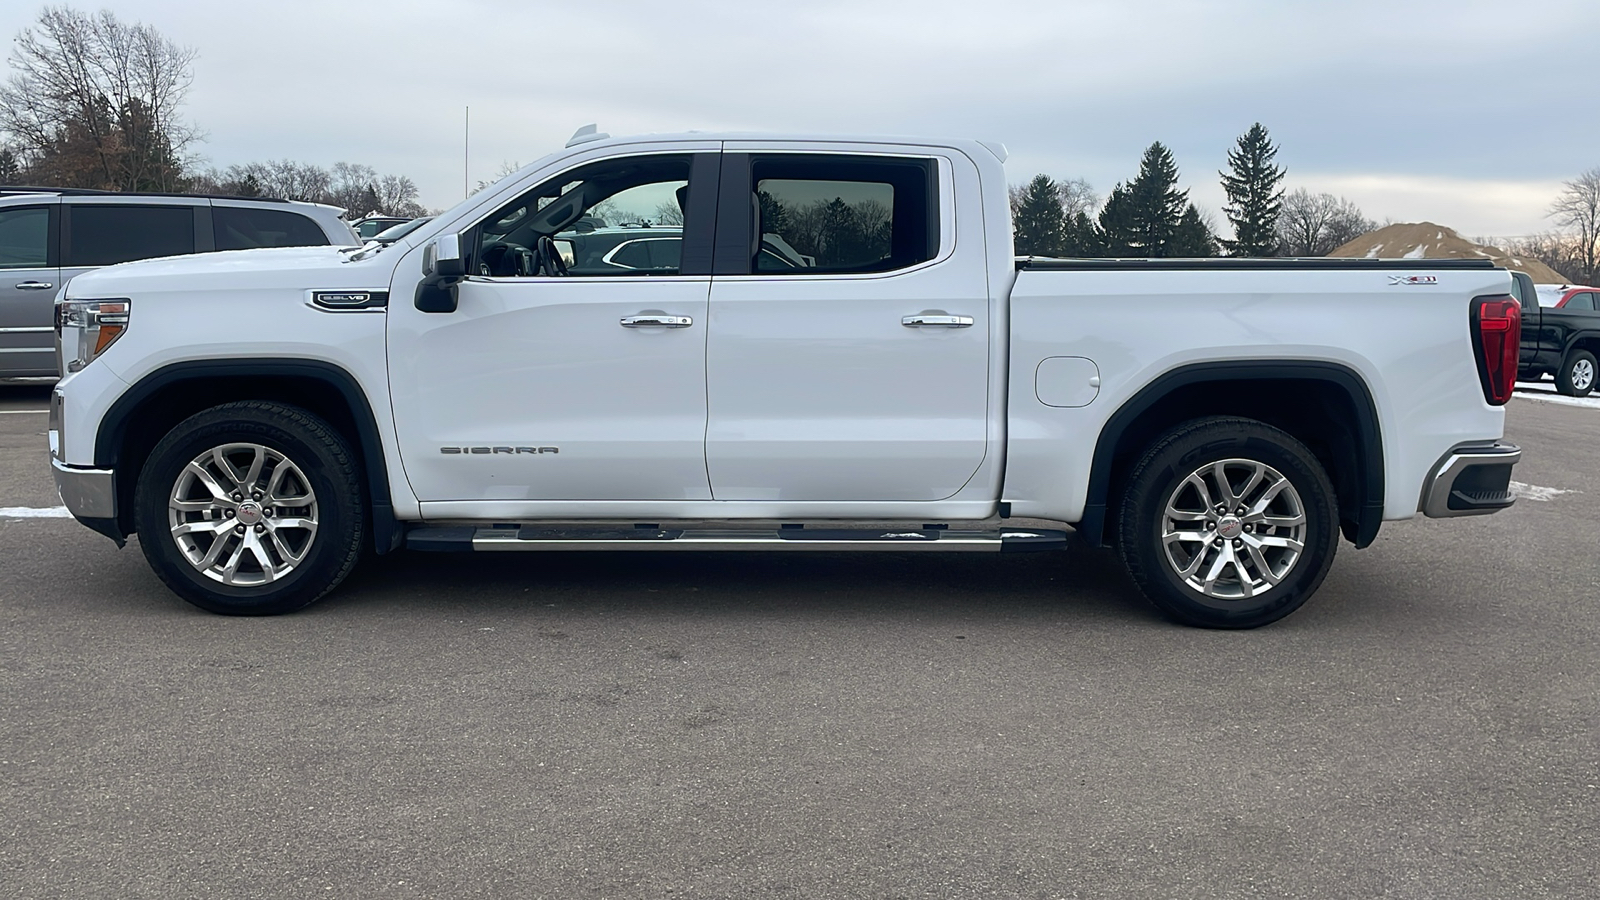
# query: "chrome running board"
534,537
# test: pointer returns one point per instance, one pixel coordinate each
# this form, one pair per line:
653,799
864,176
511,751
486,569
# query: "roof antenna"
589,132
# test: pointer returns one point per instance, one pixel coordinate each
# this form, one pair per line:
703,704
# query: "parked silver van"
48,235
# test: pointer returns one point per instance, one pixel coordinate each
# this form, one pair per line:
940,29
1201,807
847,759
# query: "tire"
228,550
1278,481
1577,375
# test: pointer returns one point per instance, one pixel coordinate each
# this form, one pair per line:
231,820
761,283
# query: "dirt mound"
1425,240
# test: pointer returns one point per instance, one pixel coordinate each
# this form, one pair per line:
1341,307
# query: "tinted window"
665,254
634,255
104,235
243,228
25,237
836,215
1581,301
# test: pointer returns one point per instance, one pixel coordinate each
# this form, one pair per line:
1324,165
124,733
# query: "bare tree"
506,168
1578,207
1077,196
668,213
1317,224
1557,250
93,102
397,196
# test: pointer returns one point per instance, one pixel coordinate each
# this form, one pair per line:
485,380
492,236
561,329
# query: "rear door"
848,348
29,277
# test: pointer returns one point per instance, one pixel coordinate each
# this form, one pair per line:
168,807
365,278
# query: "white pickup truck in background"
818,337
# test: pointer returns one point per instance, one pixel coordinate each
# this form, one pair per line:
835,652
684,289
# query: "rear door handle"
656,321
927,321
34,285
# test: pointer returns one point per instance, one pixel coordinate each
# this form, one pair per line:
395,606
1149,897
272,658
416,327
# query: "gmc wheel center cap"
249,513
1228,526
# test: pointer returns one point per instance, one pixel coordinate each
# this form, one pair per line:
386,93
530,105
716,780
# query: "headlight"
85,328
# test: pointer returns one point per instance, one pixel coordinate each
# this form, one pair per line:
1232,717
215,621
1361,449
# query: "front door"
848,353
561,376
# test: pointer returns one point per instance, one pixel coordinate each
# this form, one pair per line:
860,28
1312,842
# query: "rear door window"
245,228
1583,301
834,215
25,237
106,235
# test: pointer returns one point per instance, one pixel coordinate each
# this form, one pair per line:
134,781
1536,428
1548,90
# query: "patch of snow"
33,512
1373,253
1535,492
1439,236
1420,251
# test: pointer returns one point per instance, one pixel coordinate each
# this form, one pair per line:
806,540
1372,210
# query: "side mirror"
442,257
442,267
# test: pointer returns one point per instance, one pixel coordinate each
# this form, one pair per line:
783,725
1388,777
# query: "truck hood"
295,268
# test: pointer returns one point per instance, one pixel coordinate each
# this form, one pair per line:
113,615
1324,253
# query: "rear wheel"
1228,523
250,509
1577,375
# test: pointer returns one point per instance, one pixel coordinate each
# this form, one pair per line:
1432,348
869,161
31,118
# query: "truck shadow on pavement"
1083,583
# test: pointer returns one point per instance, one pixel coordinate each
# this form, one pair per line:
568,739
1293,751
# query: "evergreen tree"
1039,225
10,167
1116,232
1155,204
1081,237
1192,239
1254,197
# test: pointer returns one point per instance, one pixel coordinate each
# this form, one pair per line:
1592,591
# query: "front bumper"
91,496
1471,481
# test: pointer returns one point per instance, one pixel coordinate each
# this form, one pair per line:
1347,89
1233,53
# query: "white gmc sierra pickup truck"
800,339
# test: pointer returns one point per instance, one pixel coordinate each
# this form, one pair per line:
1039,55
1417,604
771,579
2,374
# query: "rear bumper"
1471,481
91,496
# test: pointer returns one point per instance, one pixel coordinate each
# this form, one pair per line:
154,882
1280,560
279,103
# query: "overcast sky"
1462,112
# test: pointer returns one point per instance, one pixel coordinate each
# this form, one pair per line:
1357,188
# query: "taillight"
1497,336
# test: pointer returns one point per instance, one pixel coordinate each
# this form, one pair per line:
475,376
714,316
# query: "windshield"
396,232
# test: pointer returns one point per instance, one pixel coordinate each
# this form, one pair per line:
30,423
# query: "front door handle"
34,285
656,321
927,321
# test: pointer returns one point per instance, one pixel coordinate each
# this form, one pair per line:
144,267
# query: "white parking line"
1591,402
22,412
1535,492
34,512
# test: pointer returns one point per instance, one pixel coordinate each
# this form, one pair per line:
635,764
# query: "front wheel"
1228,523
1577,375
250,508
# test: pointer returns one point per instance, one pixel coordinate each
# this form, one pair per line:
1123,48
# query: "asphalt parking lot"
739,726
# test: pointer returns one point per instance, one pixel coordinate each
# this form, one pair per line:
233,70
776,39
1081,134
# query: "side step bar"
532,537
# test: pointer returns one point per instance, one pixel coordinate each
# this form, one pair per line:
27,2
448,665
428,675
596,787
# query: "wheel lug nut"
260,528
1241,511
237,496
1210,525
1237,543
228,513
239,530
255,496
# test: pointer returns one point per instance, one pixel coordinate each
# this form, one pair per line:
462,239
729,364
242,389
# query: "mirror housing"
442,257
442,267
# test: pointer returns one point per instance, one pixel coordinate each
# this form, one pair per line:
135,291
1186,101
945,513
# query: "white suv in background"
48,235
